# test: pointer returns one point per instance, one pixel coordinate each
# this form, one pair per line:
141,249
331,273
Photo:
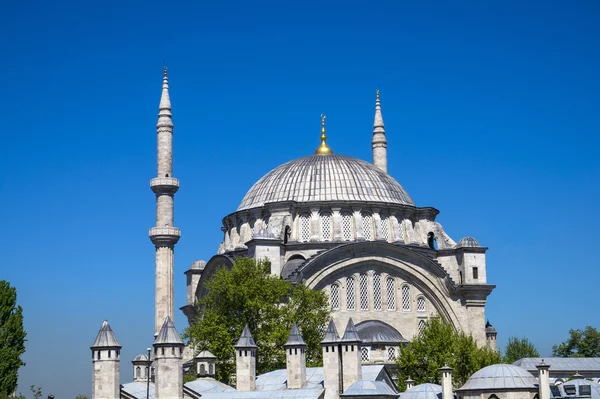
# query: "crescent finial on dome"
323,149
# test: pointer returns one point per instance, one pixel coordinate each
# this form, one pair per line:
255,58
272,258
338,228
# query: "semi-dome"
320,178
501,376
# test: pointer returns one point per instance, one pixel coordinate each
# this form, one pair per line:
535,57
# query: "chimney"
295,355
409,383
245,362
350,348
331,362
168,360
446,382
544,380
106,361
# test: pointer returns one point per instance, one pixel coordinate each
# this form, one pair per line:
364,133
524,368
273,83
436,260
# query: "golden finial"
323,149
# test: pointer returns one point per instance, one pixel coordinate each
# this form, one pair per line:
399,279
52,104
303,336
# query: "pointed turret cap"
106,337
331,334
164,113
295,338
168,335
351,335
246,340
378,123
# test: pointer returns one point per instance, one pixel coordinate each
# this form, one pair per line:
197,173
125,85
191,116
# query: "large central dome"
320,178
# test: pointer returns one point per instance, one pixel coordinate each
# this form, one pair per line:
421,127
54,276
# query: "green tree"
36,392
438,345
249,294
518,348
581,343
81,396
12,337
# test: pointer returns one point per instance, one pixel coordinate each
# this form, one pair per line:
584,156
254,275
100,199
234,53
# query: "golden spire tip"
323,149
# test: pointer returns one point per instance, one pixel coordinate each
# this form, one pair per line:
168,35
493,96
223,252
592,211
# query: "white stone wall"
245,361
106,374
352,370
331,371
296,367
168,373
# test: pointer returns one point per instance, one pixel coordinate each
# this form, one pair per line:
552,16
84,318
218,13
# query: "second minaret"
165,235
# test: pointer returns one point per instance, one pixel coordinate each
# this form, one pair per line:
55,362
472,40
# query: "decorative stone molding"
164,236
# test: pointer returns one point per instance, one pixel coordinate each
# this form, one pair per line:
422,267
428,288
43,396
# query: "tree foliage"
438,345
581,343
518,348
12,338
249,294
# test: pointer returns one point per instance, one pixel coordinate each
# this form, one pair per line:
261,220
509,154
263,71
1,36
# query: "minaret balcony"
164,235
164,185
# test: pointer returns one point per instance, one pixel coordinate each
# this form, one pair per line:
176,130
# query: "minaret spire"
379,142
164,236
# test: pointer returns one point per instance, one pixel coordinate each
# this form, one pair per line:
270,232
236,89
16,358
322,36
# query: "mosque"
337,224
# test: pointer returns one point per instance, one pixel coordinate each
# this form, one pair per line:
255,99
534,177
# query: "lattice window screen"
350,294
367,226
334,296
391,293
400,230
346,226
376,291
364,292
385,228
420,304
251,225
421,326
365,355
304,228
326,227
405,297
391,353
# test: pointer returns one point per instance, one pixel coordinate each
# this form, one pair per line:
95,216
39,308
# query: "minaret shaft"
164,235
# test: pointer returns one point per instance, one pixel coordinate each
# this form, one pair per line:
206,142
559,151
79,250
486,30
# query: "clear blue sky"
491,110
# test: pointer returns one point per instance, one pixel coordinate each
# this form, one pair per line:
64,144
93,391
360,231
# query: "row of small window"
110,351
363,289
365,354
326,233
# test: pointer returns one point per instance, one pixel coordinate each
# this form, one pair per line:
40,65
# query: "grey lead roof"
106,337
319,178
168,335
501,376
467,242
370,389
350,335
561,363
295,338
423,391
594,388
246,340
378,332
331,334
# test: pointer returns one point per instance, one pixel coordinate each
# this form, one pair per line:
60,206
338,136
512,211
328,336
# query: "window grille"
326,227
335,296
421,327
350,295
385,230
391,293
322,328
304,228
346,226
251,225
376,291
365,355
391,353
420,304
405,297
138,372
364,295
367,228
400,230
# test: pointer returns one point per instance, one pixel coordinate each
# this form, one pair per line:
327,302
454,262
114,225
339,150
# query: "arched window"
391,353
346,226
421,326
334,296
202,369
405,298
420,304
304,227
367,224
364,292
376,291
385,228
138,372
365,355
210,369
326,229
350,294
391,293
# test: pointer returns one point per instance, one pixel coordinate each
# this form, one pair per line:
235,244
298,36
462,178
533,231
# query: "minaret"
168,355
164,236
379,142
106,360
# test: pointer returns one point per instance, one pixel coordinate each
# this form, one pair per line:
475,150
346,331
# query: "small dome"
140,358
501,376
490,329
467,242
320,178
369,388
423,391
199,264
